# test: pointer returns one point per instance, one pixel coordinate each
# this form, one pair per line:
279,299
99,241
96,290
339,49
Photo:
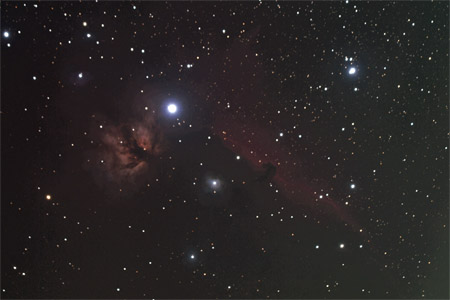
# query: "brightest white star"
172,108
352,186
352,71
6,34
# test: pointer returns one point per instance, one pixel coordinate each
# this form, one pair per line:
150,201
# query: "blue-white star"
172,108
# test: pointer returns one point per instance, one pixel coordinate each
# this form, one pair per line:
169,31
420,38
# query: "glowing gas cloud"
126,152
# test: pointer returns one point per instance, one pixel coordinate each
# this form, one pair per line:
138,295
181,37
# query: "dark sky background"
307,156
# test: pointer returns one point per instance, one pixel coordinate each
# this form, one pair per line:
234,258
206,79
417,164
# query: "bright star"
214,185
341,246
172,108
352,71
80,75
192,256
352,186
6,34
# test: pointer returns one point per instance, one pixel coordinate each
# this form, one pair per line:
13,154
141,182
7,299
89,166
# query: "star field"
225,150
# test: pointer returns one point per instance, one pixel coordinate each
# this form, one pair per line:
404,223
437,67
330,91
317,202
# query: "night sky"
224,150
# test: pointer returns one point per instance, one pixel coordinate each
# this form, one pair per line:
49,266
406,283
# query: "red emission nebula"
251,142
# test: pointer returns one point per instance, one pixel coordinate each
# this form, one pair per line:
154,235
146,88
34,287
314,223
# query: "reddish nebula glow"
125,152
255,144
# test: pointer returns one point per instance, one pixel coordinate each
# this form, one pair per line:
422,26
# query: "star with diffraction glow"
172,108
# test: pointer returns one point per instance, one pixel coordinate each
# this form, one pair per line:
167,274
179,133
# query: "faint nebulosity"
225,149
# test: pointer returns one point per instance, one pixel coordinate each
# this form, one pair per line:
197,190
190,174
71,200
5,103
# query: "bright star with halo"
172,108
